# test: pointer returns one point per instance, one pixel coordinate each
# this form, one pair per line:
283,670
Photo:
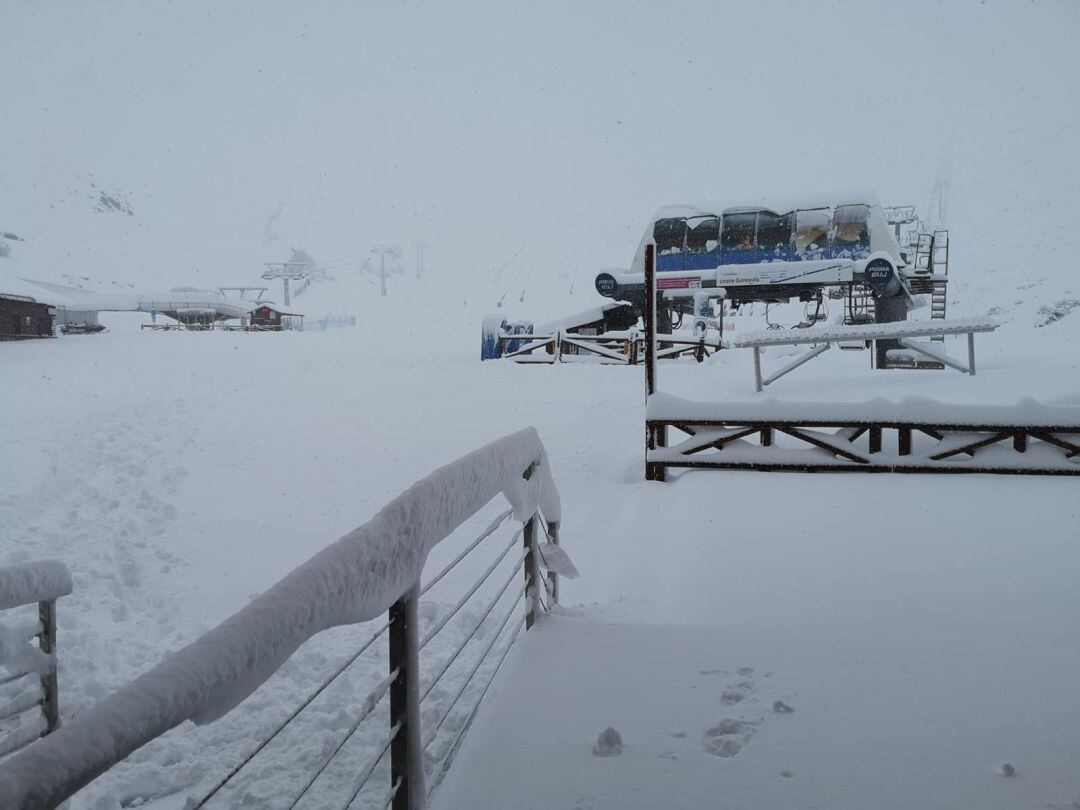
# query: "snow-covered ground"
924,628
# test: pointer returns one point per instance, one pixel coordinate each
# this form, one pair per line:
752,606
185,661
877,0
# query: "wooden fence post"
50,702
406,750
903,441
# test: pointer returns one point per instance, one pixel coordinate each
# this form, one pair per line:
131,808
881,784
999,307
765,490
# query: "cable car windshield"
851,236
774,237
702,234
670,235
812,234
737,238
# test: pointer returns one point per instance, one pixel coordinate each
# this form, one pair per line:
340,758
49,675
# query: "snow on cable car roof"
779,204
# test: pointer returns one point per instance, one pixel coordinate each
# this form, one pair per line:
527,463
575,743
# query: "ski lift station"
712,260
844,246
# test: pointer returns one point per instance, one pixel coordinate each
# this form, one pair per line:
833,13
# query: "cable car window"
669,235
812,234
851,236
737,238
702,244
774,236
702,234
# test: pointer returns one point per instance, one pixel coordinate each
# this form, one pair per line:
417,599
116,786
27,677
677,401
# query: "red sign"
683,283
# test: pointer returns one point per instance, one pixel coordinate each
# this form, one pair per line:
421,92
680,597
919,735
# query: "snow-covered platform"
711,717
920,655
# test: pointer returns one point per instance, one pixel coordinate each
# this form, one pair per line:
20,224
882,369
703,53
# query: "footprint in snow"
727,738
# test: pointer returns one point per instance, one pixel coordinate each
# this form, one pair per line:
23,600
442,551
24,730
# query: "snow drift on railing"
32,582
870,331
353,580
1026,412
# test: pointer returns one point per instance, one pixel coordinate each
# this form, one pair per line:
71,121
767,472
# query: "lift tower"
285,271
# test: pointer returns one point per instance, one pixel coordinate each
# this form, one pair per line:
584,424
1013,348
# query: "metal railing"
360,578
625,348
29,687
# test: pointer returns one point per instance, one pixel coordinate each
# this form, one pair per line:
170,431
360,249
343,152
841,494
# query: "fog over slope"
236,132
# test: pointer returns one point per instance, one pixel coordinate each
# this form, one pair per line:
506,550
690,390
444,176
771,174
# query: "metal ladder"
859,305
859,308
939,266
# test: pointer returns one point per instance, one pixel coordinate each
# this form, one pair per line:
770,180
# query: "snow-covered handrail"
1025,412
355,579
26,583
41,582
871,331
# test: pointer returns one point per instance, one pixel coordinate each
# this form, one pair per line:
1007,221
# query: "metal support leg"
757,369
532,573
50,703
794,364
553,578
971,353
406,750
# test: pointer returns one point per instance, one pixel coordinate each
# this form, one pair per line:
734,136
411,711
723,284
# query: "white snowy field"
924,628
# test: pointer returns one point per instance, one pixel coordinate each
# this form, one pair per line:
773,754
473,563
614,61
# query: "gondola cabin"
774,249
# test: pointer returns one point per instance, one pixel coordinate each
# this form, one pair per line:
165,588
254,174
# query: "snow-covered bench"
903,332
1025,438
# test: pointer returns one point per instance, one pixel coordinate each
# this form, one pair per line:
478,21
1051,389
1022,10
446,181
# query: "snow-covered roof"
780,204
570,321
195,299
18,288
270,304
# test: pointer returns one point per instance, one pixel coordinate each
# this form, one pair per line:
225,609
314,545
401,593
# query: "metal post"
654,437
971,353
406,750
650,320
757,368
553,527
532,598
50,703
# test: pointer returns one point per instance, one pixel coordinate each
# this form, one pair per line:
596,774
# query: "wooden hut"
22,318
267,317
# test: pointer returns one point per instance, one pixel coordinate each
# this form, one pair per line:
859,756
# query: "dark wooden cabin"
268,316
24,318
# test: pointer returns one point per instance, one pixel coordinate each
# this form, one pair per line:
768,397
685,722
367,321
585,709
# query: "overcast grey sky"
560,125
